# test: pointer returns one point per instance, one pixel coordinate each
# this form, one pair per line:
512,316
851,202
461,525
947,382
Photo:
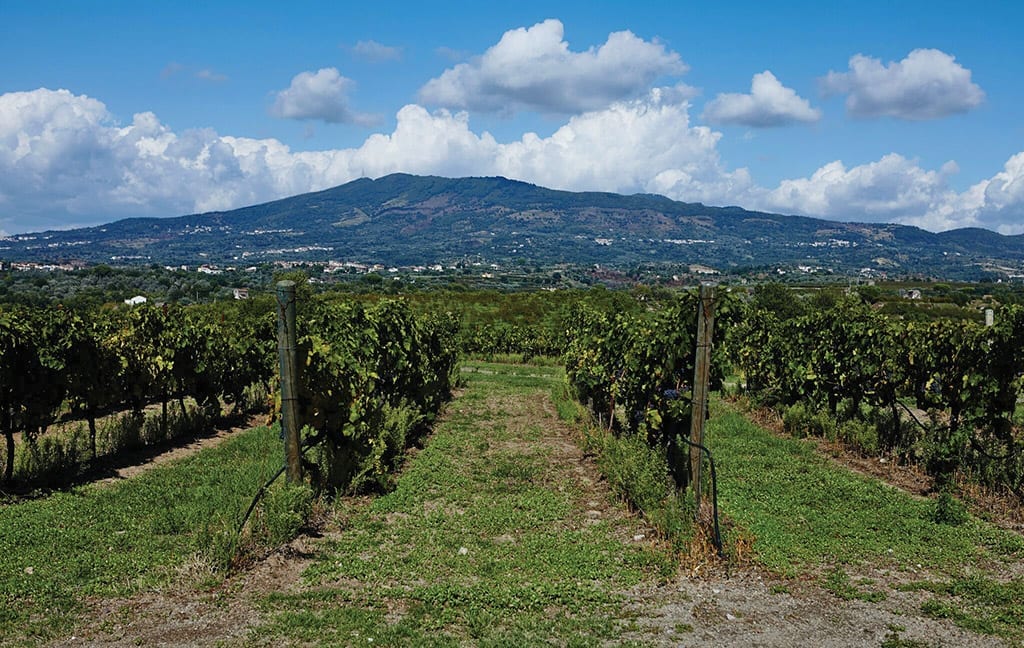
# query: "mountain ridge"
404,219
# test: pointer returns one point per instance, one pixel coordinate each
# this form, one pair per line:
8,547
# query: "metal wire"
717,540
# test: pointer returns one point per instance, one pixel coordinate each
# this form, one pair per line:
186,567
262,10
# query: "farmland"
509,515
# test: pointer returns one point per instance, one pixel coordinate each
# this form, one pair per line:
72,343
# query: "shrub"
860,434
949,510
795,420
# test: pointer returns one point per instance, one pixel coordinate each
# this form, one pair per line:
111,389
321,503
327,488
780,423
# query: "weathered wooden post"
287,351
701,375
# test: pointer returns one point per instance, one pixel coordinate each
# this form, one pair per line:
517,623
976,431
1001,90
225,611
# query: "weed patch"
838,582
977,603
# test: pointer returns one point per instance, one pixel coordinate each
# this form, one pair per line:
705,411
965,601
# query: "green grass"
113,540
806,512
977,603
838,582
635,471
514,359
483,541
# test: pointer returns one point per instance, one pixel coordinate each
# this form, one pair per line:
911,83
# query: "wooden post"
287,350
701,375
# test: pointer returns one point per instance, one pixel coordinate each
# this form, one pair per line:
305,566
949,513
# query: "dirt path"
500,531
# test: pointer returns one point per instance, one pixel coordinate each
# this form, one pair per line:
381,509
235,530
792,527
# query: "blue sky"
872,111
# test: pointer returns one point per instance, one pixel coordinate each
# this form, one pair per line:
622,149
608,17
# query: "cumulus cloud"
897,189
65,160
927,84
376,52
997,202
320,95
893,188
769,104
533,68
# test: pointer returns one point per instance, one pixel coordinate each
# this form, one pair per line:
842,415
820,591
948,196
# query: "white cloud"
376,52
998,202
895,189
769,104
652,135
320,95
927,84
533,68
64,161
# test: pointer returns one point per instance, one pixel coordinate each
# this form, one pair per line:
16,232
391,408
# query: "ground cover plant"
810,516
501,531
484,540
113,540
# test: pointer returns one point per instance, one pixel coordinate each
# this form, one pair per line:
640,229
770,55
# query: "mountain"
403,219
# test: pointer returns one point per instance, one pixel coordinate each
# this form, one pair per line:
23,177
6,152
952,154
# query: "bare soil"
751,609
188,614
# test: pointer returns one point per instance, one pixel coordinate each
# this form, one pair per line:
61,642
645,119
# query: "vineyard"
59,364
944,395
941,394
499,478
371,382
373,378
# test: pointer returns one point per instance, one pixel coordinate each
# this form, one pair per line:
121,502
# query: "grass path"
501,533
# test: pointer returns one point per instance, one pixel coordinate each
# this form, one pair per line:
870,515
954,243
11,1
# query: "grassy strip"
113,540
636,472
514,359
977,603
807,513
485,540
